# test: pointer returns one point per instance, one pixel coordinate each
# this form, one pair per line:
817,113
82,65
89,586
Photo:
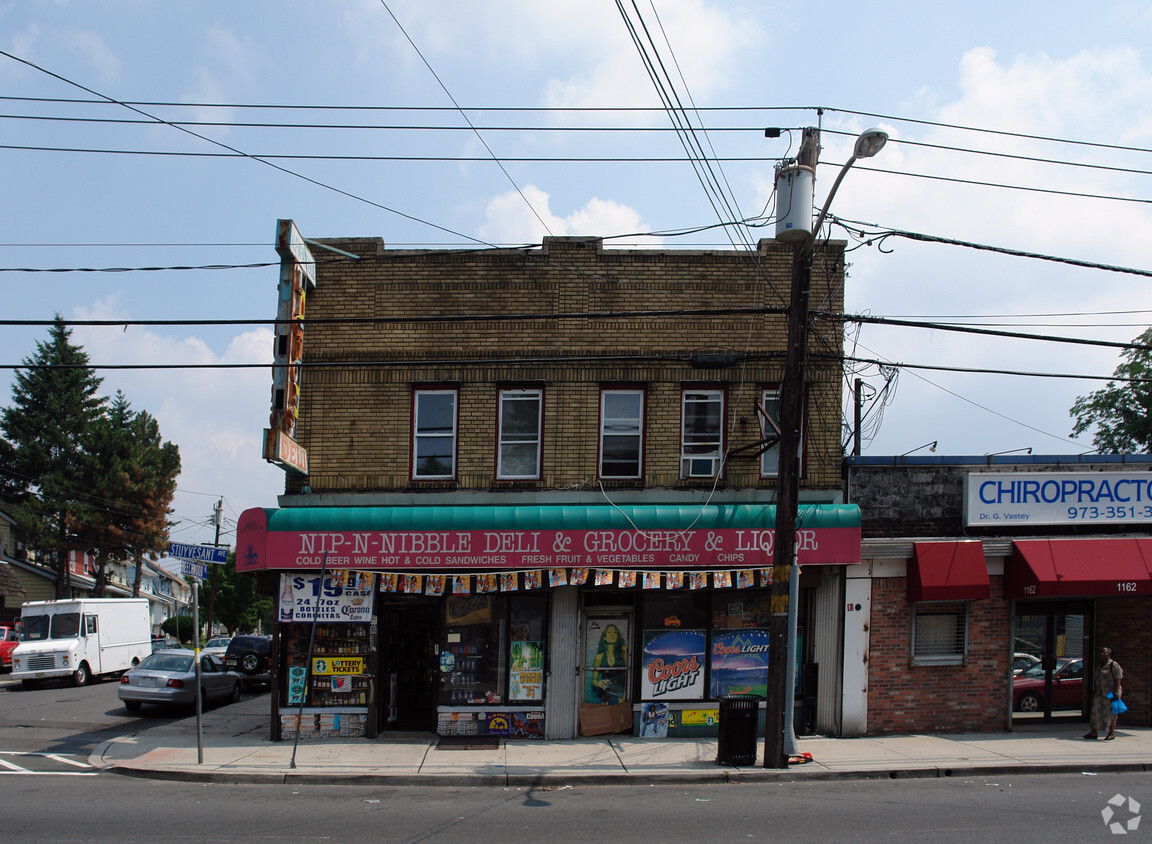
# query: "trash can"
737,745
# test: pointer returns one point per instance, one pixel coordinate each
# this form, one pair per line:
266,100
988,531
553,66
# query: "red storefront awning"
1084,568
948,571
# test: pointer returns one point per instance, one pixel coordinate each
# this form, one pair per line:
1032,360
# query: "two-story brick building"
539,487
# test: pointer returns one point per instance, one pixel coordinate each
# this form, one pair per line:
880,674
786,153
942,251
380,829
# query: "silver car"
170,677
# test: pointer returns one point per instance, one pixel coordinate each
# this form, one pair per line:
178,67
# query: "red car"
9,639
1067,687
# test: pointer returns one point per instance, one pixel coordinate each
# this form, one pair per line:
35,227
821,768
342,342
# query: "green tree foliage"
156,465
1121,412
107,531
179,627
47,430
239,607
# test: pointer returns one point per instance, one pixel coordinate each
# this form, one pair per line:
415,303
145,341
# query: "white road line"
25,773
67,761
11,767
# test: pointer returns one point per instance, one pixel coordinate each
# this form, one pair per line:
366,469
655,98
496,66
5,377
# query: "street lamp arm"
832,193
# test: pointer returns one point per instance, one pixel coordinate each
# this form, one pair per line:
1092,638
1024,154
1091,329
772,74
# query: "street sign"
193,569
199,553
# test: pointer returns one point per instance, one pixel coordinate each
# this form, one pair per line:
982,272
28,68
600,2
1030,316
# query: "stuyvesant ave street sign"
198,553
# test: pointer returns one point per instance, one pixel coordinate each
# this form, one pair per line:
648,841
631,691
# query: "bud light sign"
673,665
740,662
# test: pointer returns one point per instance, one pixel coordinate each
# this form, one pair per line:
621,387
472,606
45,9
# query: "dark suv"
251,657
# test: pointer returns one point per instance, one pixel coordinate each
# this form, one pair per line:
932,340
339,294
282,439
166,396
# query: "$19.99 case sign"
343,596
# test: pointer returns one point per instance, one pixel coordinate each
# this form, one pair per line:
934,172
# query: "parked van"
81,638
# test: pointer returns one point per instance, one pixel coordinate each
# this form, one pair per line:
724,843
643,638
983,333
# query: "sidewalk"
236,748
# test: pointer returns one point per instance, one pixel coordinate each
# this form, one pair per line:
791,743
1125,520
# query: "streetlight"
780,743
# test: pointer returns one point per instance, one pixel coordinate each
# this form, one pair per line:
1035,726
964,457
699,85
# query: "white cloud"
508,219
100,62
215,416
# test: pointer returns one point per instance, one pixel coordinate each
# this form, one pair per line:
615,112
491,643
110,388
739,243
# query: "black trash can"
737,745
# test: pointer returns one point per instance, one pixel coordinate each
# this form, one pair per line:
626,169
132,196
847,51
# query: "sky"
1024,126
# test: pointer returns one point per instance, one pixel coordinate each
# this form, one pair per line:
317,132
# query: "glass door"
1051,642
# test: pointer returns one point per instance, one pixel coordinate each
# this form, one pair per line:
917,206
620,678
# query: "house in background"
25,577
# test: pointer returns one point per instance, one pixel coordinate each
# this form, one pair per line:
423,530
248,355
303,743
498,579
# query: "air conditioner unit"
699,467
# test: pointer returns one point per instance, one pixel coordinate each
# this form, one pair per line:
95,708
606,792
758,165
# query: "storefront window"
472,654
493,649
704,645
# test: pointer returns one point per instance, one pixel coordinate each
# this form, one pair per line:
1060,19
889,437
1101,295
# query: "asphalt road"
57,717
47,793
1041,808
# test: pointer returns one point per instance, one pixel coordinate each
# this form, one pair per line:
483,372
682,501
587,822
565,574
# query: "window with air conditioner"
701,433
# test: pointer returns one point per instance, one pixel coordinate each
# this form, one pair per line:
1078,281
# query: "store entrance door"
1052,640
409,667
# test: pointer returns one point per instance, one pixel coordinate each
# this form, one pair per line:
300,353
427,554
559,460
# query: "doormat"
468,742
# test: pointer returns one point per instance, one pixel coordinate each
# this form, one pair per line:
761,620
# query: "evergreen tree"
48,428
1122,410
107,533
155,467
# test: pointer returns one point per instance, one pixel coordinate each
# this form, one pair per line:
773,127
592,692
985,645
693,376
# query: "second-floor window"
518,446
770,459
701,433
621,433
434,434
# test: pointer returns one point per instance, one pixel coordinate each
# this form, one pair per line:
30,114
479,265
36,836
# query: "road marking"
12,769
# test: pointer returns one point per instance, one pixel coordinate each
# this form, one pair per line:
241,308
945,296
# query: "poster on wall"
343,596
673,665
654,720
740,662
526,676
606,660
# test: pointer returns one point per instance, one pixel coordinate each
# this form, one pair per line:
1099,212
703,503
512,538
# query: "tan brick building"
515,454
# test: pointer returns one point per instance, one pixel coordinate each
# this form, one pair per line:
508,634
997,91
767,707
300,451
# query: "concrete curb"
537,780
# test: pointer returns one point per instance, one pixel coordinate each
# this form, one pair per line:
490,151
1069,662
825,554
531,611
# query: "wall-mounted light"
930,446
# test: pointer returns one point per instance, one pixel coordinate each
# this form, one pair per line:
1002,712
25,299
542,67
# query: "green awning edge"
555,517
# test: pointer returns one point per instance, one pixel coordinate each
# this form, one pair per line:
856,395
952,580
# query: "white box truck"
81,638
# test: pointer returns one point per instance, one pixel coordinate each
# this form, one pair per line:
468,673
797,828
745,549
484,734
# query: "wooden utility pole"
788,482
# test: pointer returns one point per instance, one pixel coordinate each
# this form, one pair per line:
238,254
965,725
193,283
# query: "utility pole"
784,567
216,511
779,740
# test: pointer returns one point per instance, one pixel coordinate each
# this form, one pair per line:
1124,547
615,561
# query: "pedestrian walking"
1106,689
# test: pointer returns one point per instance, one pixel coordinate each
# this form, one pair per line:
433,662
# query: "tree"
55,405
239,607
107,531
1122,410
156,464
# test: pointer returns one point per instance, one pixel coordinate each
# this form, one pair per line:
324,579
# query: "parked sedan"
170,677
216,647
1067,687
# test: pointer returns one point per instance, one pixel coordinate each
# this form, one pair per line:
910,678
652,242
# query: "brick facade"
907,698
356,389
1122,624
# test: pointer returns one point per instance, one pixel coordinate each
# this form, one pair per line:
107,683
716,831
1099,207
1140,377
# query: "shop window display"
702,646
